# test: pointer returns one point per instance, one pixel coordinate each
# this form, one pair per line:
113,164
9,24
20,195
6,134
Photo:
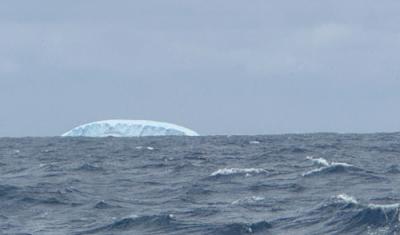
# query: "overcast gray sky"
217,67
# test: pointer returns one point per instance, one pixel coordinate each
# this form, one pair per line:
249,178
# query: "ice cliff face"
128,128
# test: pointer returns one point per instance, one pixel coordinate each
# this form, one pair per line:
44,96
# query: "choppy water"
283,184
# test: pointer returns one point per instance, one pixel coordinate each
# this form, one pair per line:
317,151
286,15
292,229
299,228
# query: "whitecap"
254,142
248,200
384,206
320,160
347,199
325,165
232,171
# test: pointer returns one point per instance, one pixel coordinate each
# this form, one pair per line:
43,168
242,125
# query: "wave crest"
328,167
233,171
347,215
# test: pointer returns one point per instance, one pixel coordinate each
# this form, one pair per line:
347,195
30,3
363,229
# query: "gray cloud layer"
218,67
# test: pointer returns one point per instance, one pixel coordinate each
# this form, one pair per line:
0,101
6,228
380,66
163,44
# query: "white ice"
129,128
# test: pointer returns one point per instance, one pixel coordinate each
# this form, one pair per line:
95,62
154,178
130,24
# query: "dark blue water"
282,184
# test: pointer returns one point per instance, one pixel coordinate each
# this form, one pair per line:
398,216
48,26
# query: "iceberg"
129,128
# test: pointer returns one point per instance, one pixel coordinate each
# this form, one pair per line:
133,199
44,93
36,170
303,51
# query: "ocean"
276,184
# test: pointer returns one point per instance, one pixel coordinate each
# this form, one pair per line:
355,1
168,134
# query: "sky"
217,67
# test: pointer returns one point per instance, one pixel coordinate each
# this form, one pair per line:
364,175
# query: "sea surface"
277,184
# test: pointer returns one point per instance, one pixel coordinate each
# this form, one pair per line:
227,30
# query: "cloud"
286,66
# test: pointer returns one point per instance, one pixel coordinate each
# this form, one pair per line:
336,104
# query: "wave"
247,200
89,167
344,214
16,196
149,224
329,167
370,216
104,205
134,222
393,169
291,187
165,224
8,192
242,228
236,171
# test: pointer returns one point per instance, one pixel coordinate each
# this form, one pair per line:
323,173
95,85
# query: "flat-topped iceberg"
129,128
